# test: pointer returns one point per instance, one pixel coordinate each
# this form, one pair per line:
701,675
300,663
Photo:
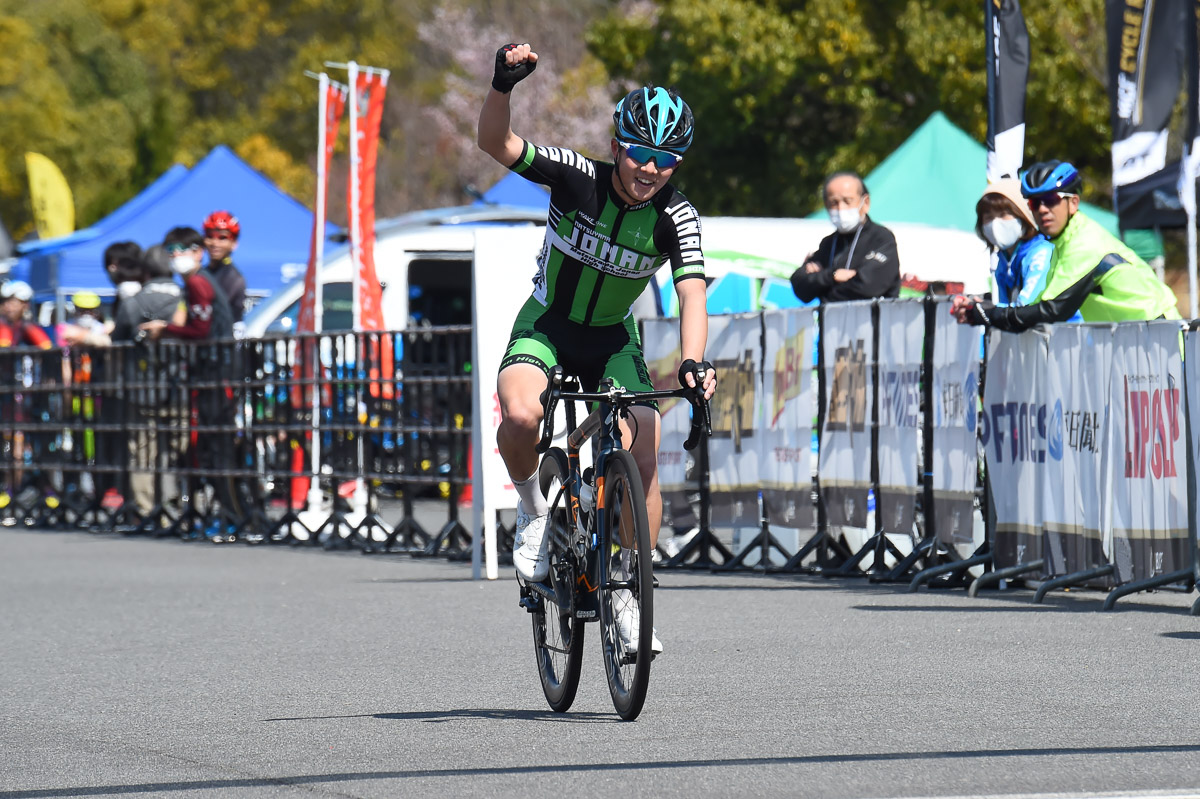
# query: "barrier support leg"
993,578
819,543
958,567
1195,611
922,549
762,543
1182,576
1068,580
874,545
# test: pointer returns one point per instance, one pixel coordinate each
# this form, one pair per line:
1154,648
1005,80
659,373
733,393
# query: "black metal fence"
215,440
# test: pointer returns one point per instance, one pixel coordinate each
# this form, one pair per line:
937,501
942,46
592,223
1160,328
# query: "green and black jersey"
600,253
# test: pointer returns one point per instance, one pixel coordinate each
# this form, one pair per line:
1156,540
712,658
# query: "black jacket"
874,259
232,284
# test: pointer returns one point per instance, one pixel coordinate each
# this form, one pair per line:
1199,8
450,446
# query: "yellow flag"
53,206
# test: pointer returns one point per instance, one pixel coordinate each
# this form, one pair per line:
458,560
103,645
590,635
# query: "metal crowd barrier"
1075,458
215,440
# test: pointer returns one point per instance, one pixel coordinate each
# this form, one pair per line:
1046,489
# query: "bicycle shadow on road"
487,714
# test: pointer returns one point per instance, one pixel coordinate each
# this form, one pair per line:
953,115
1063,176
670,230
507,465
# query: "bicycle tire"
557,634
628,672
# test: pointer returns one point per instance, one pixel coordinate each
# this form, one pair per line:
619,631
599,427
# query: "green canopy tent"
935,178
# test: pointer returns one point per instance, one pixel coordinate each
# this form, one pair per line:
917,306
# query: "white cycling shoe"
629,622
529,546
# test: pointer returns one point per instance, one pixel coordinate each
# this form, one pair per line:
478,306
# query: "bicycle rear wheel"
557,634
627,585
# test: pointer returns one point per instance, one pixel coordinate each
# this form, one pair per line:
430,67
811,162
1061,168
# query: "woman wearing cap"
1023,255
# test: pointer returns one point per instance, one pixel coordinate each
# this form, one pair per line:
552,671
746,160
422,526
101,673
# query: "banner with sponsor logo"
1007,59
845,454
1149,470
1191,371
1147,56
735,349
332,102
366,110
955,422
660,344
1012,432
899,425
786,417
1078,447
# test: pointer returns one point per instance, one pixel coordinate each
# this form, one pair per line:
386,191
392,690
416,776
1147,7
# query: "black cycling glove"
506,77
694,369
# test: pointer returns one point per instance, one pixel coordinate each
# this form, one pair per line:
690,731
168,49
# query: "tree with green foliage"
786,92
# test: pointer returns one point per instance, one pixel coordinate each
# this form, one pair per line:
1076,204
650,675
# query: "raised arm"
514,62
693,328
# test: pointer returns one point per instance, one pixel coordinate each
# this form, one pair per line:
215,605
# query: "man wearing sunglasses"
1091,271
610,227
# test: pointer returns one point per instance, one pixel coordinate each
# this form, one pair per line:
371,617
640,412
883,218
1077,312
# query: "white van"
423,262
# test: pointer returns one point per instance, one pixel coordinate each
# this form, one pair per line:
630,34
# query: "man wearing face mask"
208,313
856,262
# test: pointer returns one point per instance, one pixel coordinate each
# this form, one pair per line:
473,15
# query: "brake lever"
701,418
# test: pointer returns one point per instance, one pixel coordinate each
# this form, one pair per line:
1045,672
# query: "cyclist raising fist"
610,227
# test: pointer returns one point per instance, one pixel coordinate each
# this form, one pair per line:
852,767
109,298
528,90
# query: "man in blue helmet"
1091,271
610,227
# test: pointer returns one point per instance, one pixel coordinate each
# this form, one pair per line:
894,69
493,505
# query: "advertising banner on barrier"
900,352
660,340
1012,431
1078,449
786,417
1149,469
1191,372
845,455
955,423
735,349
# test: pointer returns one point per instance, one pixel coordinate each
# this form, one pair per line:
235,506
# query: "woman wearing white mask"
858,260
1004,221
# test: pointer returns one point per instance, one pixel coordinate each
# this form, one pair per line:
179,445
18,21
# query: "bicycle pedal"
531,603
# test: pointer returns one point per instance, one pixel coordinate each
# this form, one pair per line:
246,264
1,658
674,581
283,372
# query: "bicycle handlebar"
701,418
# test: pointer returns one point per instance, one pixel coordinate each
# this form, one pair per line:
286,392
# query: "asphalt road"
133,667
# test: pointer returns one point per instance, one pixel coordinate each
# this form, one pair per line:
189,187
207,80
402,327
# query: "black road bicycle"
599,545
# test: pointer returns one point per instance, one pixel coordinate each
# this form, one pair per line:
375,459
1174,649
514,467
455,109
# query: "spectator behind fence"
87,326
207,309
856,262
1092,272
1003,220
15,331
221,231
208,320
154,444
155,296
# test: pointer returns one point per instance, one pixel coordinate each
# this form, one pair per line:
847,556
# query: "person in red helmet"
221,231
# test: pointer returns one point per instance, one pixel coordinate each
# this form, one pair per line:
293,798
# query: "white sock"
531,495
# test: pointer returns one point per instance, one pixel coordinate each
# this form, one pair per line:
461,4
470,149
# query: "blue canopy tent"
272,248
512,189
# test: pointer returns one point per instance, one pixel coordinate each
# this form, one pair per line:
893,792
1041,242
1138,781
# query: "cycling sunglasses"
1049,199
643,154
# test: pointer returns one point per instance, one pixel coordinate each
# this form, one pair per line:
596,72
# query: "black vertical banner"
1007,72
1147,55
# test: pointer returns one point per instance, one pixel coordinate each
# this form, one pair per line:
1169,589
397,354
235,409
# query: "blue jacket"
1021,277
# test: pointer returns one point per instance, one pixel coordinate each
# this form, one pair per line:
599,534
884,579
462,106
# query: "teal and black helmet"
654,117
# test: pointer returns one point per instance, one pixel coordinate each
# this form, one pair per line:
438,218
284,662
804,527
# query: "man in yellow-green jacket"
1091,271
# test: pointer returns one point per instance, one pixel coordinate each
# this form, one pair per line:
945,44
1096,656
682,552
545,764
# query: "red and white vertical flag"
366,108
332,104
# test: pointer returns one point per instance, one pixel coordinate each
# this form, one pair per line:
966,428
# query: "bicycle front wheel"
627,585
557,634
